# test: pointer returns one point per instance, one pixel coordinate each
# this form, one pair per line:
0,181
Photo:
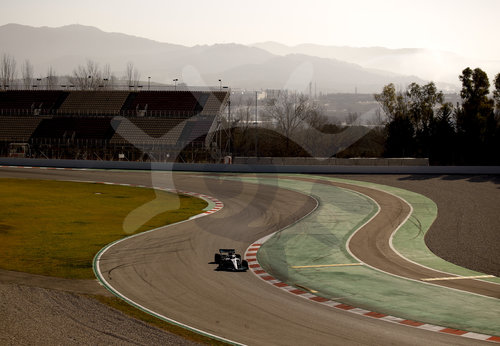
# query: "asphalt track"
371,244
169,272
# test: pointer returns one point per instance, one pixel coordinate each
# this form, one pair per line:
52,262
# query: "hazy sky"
466,27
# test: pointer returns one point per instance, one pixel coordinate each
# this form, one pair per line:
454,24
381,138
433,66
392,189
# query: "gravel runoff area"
39,316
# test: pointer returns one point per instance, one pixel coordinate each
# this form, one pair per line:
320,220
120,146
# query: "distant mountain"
75,40
261,66
301,72
67,47
350,54
439,66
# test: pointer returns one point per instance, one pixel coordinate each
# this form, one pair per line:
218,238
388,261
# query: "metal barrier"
250,168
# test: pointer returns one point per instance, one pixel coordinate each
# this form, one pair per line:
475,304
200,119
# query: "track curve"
169,271
372,244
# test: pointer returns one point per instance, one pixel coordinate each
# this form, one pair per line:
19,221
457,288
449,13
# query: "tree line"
87,76
421,124
290,124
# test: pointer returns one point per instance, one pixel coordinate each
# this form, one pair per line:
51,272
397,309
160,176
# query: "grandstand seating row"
113,130
142,130
148,103
105,102
30,100
74,128
18,129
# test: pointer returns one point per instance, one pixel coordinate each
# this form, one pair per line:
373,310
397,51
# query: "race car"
228,259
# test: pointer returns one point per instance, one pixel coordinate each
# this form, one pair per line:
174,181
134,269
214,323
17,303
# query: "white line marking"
400,225
106,284
327,265
459,277
333,303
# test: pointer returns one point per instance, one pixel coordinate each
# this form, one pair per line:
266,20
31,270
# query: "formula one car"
229,260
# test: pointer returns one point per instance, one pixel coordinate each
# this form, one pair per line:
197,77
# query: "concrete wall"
294,161
253,168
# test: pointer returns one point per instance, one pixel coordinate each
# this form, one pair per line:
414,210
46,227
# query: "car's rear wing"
227,250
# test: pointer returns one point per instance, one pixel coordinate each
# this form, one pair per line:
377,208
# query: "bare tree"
108,78
137,77
242,120
27,74
7,71
317,118
300,120
132,75
317,137
129,73
377,118
288,111
106,71
87,77
79,77
352,118
244,114
94,74
52,78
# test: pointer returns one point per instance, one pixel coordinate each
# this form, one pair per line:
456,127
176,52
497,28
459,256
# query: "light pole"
230,123
220,84
48,84
175,83
105,83
149,82
256,126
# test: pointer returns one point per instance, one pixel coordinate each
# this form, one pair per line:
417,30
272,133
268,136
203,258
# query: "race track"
169,272
371,244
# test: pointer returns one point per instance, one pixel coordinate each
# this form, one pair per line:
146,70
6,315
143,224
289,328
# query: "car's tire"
238,256
244,264
217,258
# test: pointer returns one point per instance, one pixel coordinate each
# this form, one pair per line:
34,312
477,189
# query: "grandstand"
109,125
160,103
31,102
93,102
18,128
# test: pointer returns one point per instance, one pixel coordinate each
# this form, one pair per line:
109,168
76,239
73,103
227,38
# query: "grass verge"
55,228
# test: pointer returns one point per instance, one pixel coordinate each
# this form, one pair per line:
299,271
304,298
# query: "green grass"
55,228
